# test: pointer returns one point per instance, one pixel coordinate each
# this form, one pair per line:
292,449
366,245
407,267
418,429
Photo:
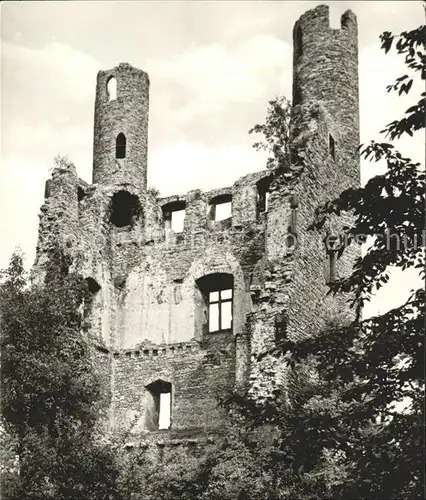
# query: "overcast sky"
213,67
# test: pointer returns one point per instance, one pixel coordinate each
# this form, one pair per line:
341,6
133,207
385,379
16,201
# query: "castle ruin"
188,289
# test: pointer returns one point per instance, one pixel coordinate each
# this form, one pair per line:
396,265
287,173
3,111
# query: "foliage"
378,362
350,422
63,162
177,477
276,133
153,191
52,395
368,408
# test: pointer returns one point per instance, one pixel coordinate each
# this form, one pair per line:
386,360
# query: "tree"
378,363
370,368
276,133
52,399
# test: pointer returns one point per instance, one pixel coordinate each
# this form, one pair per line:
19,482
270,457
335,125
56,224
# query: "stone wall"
147,312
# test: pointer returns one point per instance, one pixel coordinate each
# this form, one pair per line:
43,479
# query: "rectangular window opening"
263,202
174,216
158,409
220,310
164,418
263,186
177,220
223,211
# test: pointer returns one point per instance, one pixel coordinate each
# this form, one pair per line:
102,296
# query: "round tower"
120,144
325,70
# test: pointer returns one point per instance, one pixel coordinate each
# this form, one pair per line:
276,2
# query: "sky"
213,67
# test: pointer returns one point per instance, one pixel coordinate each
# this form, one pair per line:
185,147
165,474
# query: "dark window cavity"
263,195
92,285
124,209
80,193
332,146
120,146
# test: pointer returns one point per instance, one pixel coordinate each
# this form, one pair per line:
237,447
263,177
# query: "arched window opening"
174,216
112,89
125,208
217,294
158,410
120,146
221,207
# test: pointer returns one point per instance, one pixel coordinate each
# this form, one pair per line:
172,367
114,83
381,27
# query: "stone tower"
120,143
324,137
325,70
187,290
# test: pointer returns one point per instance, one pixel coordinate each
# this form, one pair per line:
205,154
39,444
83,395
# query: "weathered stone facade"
149,315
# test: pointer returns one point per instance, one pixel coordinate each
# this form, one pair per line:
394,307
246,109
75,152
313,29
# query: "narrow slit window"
331,266
294,205
120,146
164,413
332,146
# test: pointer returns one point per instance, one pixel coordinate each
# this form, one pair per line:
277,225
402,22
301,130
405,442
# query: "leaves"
52,396
275,131
354,393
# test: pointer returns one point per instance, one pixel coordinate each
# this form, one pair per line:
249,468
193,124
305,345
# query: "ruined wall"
147,314
159,327
198,372
58,218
